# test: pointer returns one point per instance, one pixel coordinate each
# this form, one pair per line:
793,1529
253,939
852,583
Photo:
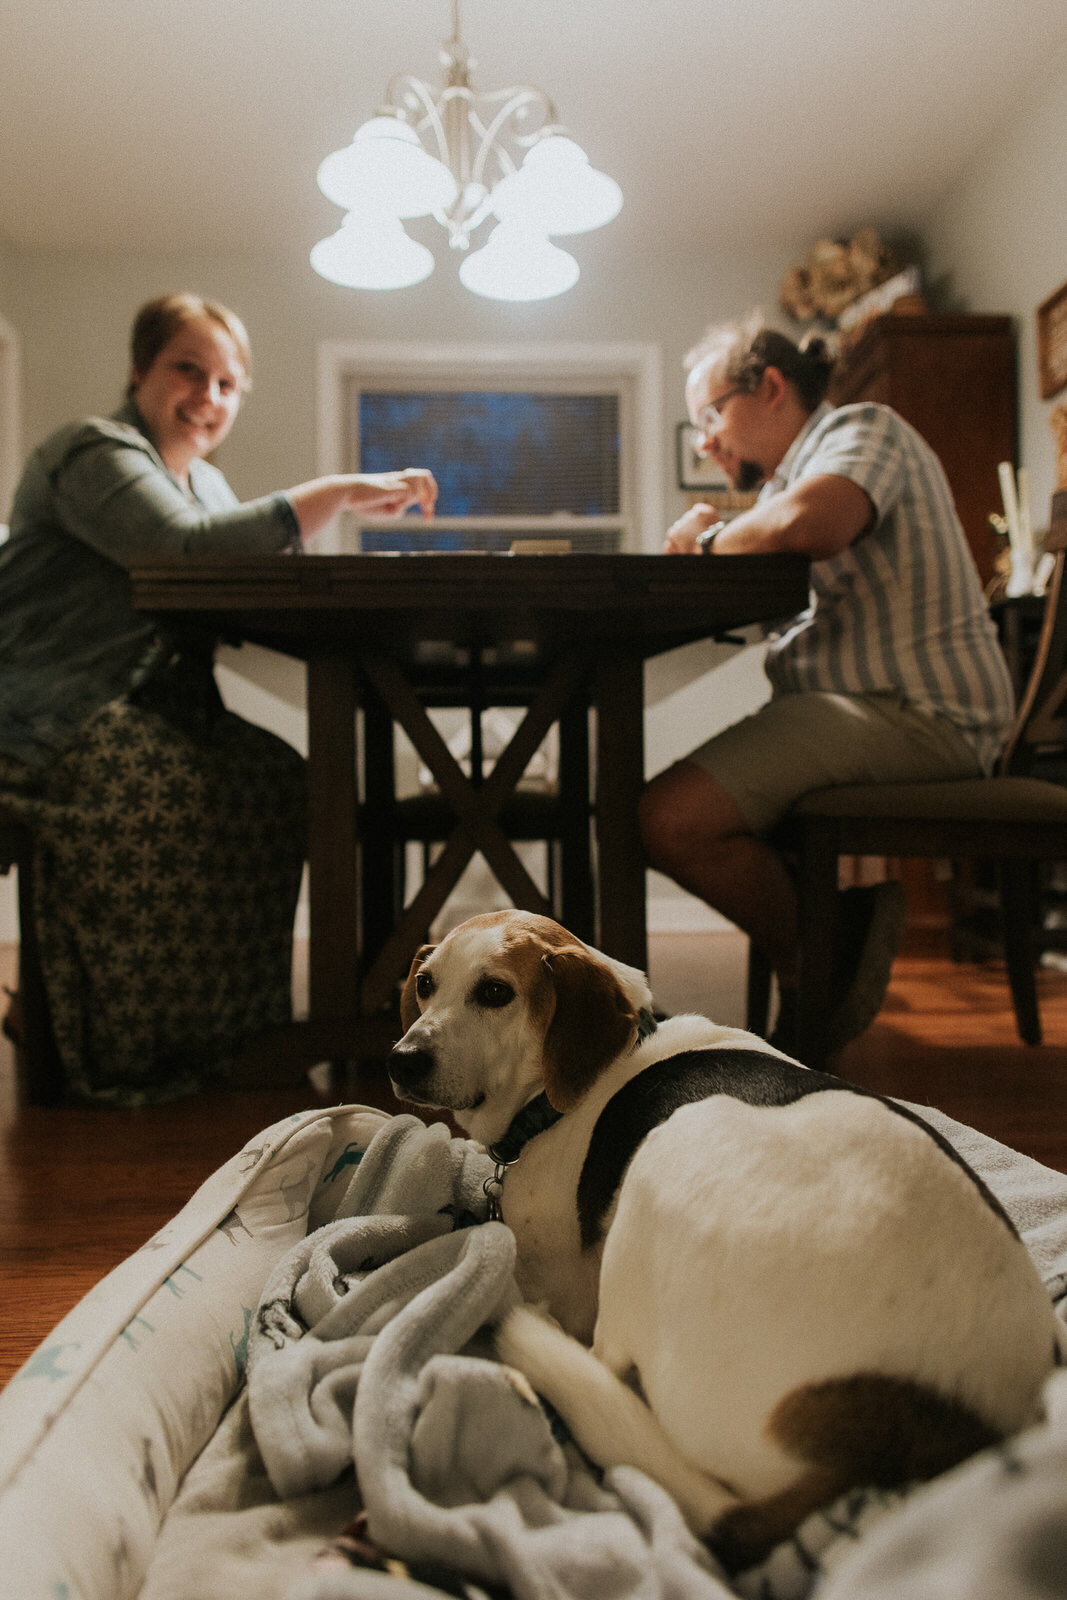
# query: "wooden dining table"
554,631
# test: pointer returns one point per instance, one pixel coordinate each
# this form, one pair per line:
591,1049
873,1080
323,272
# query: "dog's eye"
424,984
494,994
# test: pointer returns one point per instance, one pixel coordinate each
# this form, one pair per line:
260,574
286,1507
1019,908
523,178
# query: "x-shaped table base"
339,989
476,809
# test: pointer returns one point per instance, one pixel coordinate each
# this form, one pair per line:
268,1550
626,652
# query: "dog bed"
189,1430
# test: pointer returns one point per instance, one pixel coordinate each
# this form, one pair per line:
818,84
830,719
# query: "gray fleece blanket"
370,1351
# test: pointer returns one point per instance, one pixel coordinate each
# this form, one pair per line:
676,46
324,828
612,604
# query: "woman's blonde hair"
160,319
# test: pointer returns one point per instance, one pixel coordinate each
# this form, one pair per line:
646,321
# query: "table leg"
379,877
620,776
333,953
577,890
819,908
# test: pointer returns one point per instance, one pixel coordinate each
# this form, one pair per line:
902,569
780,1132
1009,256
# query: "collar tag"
493,1189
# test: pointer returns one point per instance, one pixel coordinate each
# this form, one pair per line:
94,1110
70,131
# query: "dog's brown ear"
593,1023
409,1004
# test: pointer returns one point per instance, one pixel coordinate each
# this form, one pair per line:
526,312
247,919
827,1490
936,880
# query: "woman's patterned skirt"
167,864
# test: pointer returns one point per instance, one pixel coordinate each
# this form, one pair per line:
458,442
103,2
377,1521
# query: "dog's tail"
611,1423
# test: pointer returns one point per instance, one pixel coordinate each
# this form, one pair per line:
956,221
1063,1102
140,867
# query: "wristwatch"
706,539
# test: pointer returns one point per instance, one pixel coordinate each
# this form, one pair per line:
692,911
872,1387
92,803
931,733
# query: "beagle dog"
790,1286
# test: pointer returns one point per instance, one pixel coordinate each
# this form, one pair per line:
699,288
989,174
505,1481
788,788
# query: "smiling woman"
169,834
187,384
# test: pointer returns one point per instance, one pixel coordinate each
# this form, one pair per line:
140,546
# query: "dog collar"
536,1117
540,1114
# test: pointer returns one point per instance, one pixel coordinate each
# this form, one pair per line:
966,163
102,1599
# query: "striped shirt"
901,608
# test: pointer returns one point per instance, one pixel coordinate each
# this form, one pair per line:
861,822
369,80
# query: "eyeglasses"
710,416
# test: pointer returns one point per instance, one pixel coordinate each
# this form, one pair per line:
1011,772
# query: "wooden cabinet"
953,378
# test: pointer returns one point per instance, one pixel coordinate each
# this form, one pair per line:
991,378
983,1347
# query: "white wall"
1000,241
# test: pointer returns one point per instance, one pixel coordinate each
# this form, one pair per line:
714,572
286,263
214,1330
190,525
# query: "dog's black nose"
408,1068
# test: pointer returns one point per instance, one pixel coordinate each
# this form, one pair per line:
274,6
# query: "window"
540,442
501,459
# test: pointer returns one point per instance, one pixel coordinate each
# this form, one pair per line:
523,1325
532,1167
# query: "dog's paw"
523,1331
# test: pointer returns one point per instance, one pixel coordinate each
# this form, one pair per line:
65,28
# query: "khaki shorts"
799,742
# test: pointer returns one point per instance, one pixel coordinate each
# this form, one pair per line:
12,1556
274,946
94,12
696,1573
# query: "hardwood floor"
945,1037
80,1189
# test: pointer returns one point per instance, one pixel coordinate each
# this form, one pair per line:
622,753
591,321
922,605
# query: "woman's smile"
191,393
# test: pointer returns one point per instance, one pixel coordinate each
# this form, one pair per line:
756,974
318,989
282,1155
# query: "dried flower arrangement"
836,273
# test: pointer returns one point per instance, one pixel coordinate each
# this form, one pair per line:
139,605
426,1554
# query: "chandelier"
501,154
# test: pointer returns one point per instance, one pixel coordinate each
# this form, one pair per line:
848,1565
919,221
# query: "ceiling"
142,124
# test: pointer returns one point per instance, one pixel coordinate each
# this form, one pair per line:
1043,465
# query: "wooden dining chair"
39,1078
1016,819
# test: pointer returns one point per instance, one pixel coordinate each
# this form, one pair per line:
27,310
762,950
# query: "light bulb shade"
371,254
557,191
386,168
517,264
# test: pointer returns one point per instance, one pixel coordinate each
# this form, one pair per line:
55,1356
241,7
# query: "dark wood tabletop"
649,603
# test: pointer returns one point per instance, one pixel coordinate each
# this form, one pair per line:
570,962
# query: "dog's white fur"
751,1252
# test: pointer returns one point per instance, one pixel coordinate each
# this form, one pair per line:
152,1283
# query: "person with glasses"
891,673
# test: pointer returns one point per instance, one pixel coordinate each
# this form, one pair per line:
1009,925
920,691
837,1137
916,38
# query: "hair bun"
816,352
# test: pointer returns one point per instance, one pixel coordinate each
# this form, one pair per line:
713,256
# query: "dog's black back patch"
758,1077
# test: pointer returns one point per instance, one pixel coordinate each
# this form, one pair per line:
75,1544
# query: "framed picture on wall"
1052,343
697,471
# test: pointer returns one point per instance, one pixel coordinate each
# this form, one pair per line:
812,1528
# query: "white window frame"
633,371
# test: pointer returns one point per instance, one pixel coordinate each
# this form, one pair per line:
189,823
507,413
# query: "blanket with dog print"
371,1351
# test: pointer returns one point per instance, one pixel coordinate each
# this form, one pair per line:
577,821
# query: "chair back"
1039,738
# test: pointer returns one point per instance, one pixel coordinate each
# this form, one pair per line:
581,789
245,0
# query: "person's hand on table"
681,537
389,493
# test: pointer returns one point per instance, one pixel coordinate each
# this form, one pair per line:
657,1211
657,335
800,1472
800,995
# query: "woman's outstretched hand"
375,494
388,494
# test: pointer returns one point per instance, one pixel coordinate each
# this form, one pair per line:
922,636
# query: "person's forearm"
376,494
817,518
111,492
318,502
769,527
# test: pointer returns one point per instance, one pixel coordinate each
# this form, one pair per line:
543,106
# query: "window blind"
498,453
